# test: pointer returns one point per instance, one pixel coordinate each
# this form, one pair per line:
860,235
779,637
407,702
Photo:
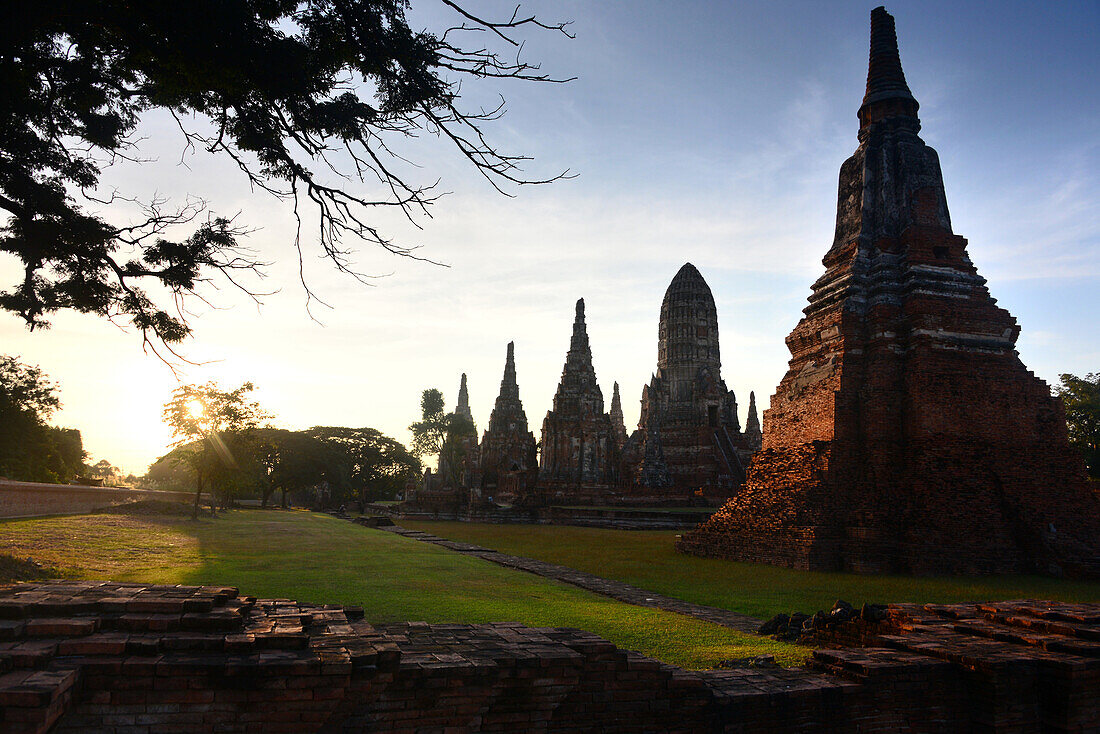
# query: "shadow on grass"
319,559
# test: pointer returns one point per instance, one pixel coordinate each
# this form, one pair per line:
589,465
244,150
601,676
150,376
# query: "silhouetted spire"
463,407
887,93
508,385
752,425
618,424
579,342
578,394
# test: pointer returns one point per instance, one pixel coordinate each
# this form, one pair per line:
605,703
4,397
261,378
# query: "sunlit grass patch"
317,558
648,559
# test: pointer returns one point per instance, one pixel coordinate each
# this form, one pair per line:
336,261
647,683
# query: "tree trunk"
284,498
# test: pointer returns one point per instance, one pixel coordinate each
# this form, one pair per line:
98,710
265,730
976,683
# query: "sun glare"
195,408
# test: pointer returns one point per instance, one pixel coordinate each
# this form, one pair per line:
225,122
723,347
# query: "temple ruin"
508,461
689,437
907,435
578,442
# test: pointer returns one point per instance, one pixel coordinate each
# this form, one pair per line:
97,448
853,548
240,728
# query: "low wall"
33,499
619,519
134,659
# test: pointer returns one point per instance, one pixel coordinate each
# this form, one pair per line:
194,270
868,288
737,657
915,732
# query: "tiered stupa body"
906,435
509,462
578,446
688,434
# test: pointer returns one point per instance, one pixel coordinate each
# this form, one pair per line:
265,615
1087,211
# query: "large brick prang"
907,436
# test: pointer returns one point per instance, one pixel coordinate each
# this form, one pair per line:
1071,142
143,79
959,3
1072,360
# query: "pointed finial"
508,383
463,406
887,93
578,343
752,424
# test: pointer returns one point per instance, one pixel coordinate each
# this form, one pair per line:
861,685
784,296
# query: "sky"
703,132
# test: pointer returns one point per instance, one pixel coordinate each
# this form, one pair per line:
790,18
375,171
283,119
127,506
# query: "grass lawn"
317,558
647,559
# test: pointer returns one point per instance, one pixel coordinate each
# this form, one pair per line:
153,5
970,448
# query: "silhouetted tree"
294,461
437,433
430,431
1081,396
31,450
377,465
216,425
302,95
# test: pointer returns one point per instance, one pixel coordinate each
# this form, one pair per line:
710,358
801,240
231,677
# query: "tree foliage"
429,433
353,463
1081,397
306,97
441,434
31,450
376,465
294,461
216,426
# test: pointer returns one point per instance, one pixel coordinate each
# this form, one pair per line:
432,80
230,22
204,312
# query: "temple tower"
753,436
509,463
618,424
459,457
577,441
906,435
686,407
463,407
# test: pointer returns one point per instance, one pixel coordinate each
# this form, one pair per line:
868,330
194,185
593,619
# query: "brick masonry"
135,659
907,436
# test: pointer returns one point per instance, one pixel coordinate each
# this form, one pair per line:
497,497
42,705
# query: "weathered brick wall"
28,499
133,659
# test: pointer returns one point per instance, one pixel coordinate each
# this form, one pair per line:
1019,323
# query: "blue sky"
702,132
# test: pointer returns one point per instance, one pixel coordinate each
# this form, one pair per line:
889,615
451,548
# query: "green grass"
647,559
317,558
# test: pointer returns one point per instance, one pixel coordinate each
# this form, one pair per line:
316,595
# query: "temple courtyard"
313,557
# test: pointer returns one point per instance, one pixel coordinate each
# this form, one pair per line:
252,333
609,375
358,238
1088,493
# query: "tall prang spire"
508,386
578,393
463,407
618,425
905,397
887,93
579,342
577,436
753,434
508,457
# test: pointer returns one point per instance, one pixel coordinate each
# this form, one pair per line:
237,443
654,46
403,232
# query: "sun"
195,409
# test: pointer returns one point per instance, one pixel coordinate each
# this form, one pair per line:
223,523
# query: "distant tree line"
223,451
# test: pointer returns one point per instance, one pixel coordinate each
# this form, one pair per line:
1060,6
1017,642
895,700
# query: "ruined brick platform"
128,658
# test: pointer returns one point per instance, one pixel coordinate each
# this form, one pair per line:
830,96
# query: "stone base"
133,658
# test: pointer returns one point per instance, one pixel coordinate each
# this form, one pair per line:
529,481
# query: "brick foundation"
134,659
